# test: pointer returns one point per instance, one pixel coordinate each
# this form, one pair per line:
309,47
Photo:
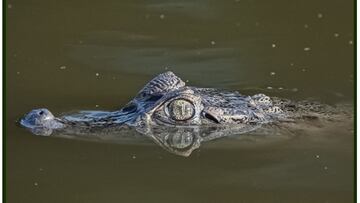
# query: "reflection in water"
180,143
177,140
183,141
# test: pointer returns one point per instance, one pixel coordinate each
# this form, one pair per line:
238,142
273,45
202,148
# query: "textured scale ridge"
162,84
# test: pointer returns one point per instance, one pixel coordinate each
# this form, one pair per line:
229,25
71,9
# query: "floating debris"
273,45
320,15
212,42
133,156
306,26
317,156
336,34
97,74
162,16
350,42
326,168
303,70
295,89
269,88
272,73
280,88
62,67
307,49
36,184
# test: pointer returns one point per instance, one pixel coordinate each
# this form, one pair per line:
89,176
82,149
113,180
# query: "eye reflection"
181,110
180,141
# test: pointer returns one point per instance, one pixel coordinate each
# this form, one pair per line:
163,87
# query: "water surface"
69,56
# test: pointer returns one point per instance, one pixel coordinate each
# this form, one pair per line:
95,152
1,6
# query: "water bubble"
320,15
280,88
306,26
212,42
162,16
350,42
317,156
269,88
62,67
307,49
97,74
133,156
303,70
273,45
36,184
336,34
272,73
326,168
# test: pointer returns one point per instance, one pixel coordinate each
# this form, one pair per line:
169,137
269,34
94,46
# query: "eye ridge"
174,105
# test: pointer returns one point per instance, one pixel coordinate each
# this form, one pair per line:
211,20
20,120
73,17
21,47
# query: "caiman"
179,117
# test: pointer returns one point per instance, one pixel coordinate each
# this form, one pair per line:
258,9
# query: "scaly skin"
174,115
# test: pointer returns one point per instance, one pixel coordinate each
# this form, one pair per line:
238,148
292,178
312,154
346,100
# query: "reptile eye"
181,110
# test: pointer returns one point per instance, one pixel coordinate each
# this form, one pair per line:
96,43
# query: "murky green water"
66,55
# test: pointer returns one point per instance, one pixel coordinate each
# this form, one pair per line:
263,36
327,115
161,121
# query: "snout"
40,122
36,118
